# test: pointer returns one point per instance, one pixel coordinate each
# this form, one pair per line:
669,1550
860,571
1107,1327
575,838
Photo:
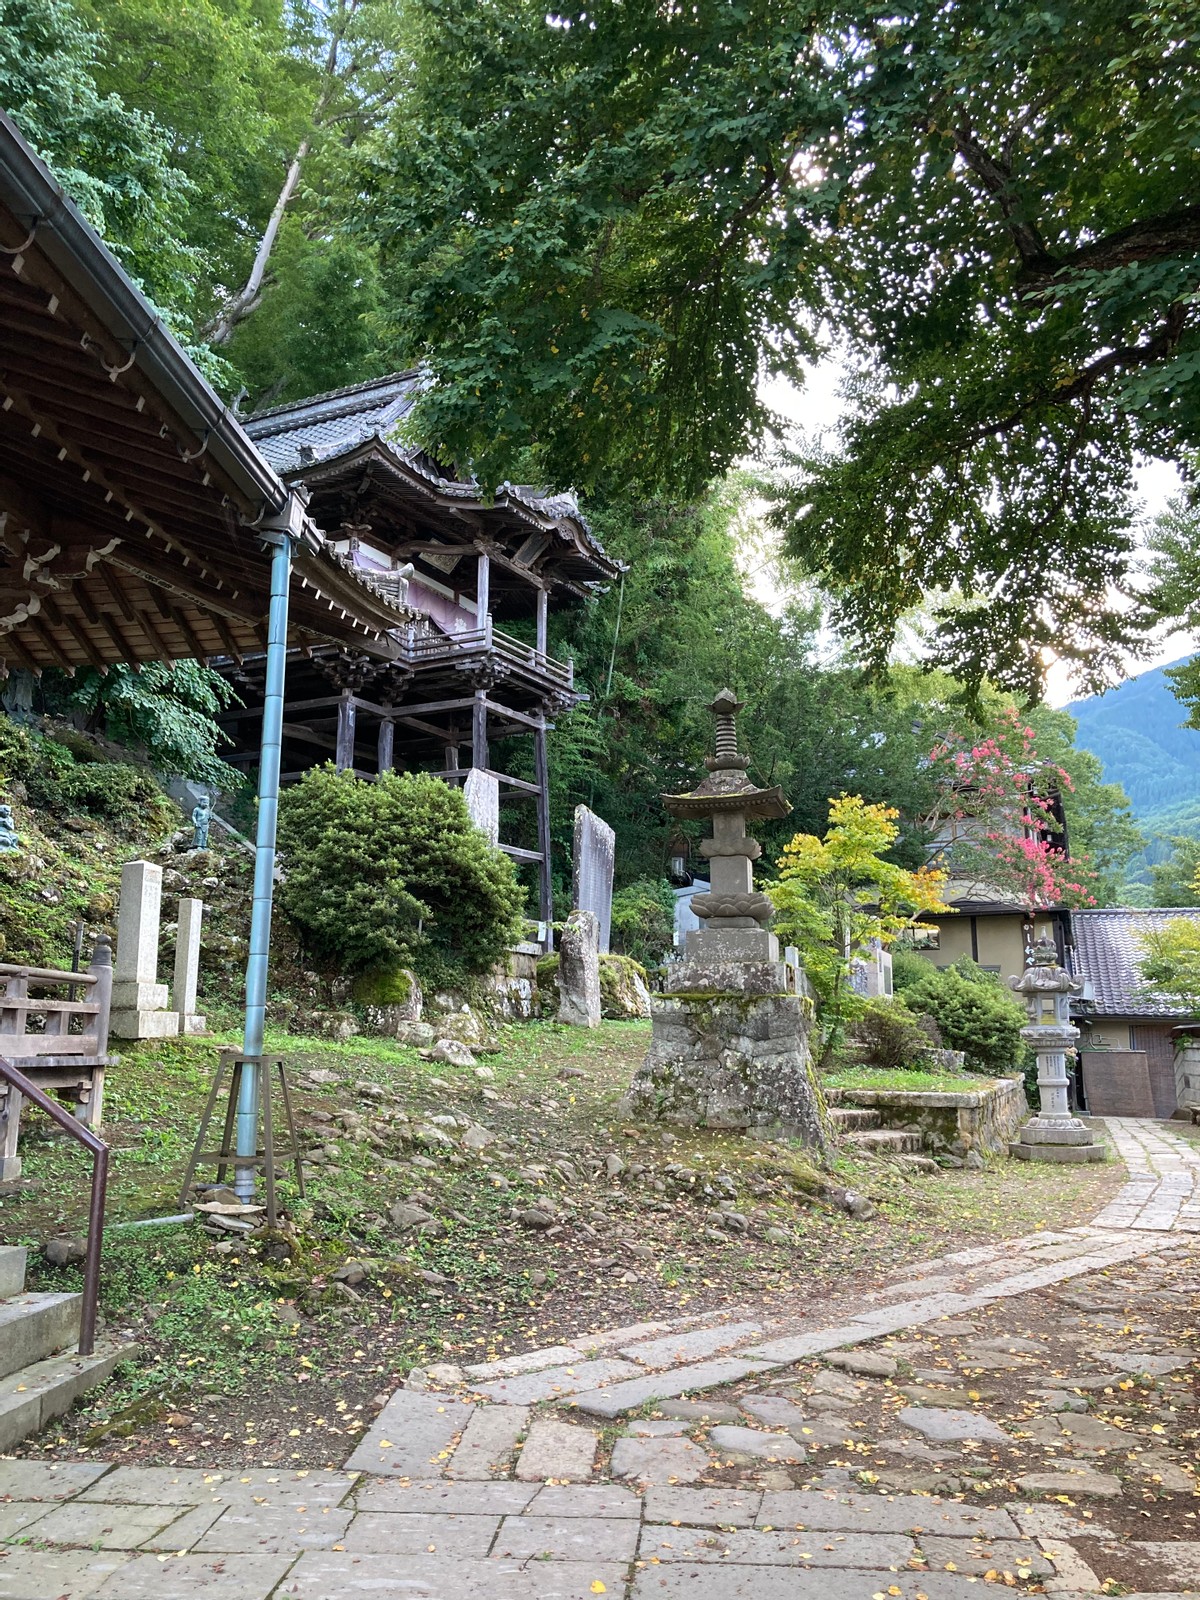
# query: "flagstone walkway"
1035,1380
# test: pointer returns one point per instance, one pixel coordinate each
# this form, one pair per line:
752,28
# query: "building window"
1133,1038
922,937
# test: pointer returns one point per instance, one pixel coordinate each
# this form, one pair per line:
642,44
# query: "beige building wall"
998,942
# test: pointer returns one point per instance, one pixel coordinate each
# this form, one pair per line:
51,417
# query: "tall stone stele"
1054,1134
729,1047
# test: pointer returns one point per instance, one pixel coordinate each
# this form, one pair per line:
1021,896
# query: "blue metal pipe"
264,861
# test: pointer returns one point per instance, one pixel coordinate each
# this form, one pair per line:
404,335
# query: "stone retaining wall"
983,1119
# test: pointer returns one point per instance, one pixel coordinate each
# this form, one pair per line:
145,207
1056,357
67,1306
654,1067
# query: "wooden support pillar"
483,588
543,615
541,773
387,740
479,738
453,759
346,716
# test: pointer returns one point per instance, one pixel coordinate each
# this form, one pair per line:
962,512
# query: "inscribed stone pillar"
187,967
579,971
481,791
139,1001
593,857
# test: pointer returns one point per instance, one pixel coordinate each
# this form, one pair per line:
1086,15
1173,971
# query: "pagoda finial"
725,708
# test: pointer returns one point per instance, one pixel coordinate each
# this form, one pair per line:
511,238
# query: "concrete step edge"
36,1325
37,1394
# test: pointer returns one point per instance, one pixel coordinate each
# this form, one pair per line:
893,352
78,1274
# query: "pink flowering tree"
998,823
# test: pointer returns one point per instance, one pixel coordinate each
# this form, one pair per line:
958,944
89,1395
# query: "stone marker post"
579,971
187,967
139,1001
481,791
1054,1134
593,857
729,1047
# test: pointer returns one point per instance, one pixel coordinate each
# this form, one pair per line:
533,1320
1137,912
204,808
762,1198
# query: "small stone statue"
9,839
201,818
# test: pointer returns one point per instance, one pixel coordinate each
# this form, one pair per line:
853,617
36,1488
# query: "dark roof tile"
1108,946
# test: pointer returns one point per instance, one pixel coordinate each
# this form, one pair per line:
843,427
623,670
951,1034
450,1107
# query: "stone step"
12,1270
887,1141
848,1117
31,1398
918,1163
833,1097
34,1326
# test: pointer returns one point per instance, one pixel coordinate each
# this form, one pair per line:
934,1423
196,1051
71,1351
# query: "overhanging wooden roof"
342,447
132,503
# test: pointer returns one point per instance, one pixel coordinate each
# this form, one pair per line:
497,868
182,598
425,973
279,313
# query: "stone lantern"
1054,1134
729,1047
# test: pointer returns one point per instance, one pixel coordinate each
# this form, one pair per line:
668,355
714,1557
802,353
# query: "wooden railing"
423,648
62,1041
21,1088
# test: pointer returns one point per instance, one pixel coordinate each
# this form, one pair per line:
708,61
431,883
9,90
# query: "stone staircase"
858,1125
41,1375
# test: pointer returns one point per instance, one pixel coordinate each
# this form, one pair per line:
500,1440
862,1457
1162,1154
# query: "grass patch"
907,1078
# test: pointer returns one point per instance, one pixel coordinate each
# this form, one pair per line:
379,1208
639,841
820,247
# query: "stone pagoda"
1054,1134
730,1047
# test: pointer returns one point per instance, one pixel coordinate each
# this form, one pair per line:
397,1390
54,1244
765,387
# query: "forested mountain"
1137,731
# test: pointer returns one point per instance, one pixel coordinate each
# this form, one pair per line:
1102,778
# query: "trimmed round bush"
392,873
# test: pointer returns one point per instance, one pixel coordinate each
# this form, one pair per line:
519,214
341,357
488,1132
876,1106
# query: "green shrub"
394,873
908,968
889,1035
974,1012
643,920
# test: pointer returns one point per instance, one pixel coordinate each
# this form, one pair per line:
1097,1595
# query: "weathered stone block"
579,971
745,1064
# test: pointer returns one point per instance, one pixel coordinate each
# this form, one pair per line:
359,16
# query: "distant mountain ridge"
1136,731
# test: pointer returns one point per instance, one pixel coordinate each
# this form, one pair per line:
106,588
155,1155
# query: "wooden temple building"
453,683
142,520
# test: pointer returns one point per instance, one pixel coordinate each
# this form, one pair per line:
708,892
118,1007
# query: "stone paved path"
1163,1170
606,1467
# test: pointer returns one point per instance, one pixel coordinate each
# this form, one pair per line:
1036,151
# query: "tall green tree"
601,225
116,161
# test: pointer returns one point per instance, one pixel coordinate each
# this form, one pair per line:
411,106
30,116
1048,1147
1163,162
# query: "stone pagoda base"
1062,1139
737,1061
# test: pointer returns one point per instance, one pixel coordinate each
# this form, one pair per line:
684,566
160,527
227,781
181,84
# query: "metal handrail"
95,1241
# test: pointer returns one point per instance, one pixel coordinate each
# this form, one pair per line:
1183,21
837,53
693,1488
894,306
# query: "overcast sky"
816,408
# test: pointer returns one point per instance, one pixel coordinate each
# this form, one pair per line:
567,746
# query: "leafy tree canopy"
1170,964
602,225
116,161
1176,881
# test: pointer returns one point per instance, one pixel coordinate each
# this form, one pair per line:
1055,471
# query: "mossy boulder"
388,999
624,991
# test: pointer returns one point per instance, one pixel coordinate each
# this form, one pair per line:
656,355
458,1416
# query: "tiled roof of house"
1108,946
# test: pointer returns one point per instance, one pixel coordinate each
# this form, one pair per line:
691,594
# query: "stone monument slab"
139,1001
187,966
593,858
579,971
481,791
